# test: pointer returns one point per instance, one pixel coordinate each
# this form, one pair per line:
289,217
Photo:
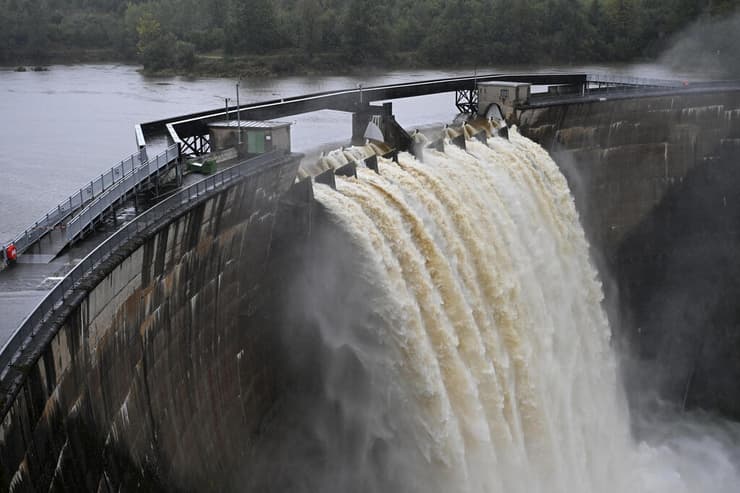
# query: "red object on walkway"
11,252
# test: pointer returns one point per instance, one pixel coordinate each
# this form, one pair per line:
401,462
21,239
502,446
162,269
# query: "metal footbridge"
80,211
190,131
188,136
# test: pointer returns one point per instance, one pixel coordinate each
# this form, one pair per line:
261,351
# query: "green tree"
723,7
308,20
30,28
623,27
252,26
412,21
474,32
515,32
365,34
155,46
597,43
445,46
565,31
127,43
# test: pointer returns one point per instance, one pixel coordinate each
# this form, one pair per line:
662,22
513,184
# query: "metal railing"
64,288
122,188
620,80
77,200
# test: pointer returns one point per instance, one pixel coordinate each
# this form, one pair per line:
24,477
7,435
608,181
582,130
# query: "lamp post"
238,114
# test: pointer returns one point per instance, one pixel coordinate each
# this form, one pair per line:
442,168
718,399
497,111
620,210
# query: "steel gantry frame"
196,145
466,101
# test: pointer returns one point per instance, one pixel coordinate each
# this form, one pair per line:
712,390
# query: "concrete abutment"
656,182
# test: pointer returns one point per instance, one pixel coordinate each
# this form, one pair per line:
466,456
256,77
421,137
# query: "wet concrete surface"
22,287
24,283
166,349
15,306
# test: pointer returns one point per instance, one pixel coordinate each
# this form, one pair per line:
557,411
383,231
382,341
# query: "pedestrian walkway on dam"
27,282
74,216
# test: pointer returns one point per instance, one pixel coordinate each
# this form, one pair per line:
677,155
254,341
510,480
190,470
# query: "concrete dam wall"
656,182
186,364
142,381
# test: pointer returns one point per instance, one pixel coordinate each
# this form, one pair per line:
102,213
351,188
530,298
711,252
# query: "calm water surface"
62,127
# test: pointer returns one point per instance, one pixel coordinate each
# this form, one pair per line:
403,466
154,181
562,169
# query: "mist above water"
460,344
709,46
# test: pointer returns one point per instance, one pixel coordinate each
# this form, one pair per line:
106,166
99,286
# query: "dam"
269,320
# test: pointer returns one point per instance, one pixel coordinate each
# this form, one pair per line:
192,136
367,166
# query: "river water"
62,127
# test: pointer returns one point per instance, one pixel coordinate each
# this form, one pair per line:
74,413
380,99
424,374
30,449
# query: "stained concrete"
656,180
156,372
185,365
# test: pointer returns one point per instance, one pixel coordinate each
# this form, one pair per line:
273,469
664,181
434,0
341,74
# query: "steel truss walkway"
73,216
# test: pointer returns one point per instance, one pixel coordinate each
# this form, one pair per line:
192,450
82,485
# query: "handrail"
345,99
173,135
140,140
121,188
370,93
63,289
621,80
76,200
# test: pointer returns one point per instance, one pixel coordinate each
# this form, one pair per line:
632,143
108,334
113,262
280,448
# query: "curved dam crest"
120,397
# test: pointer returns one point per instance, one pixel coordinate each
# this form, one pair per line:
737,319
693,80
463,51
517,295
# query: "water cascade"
492,363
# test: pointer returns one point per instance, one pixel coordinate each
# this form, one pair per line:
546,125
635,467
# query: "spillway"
476,356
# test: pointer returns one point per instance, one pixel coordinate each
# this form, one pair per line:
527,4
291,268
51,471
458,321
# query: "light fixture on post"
238,114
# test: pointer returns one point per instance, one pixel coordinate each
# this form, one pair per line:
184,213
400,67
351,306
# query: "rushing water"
497,367
495,371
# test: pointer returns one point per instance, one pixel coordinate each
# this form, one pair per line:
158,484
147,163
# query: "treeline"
178,33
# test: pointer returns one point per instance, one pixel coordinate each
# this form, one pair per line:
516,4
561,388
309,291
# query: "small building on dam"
171,364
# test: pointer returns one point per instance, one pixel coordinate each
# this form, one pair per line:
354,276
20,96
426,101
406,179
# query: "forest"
285,36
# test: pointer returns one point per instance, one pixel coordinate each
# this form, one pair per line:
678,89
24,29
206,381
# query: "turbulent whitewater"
491,361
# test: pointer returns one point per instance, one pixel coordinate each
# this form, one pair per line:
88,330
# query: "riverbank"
286,63
63,57
289,63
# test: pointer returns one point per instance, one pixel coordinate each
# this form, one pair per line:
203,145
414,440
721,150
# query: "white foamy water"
501,350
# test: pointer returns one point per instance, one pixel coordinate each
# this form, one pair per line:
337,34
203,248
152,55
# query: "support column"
362,117
466,101
394,135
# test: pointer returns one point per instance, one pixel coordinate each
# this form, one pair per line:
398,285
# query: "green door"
256,142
